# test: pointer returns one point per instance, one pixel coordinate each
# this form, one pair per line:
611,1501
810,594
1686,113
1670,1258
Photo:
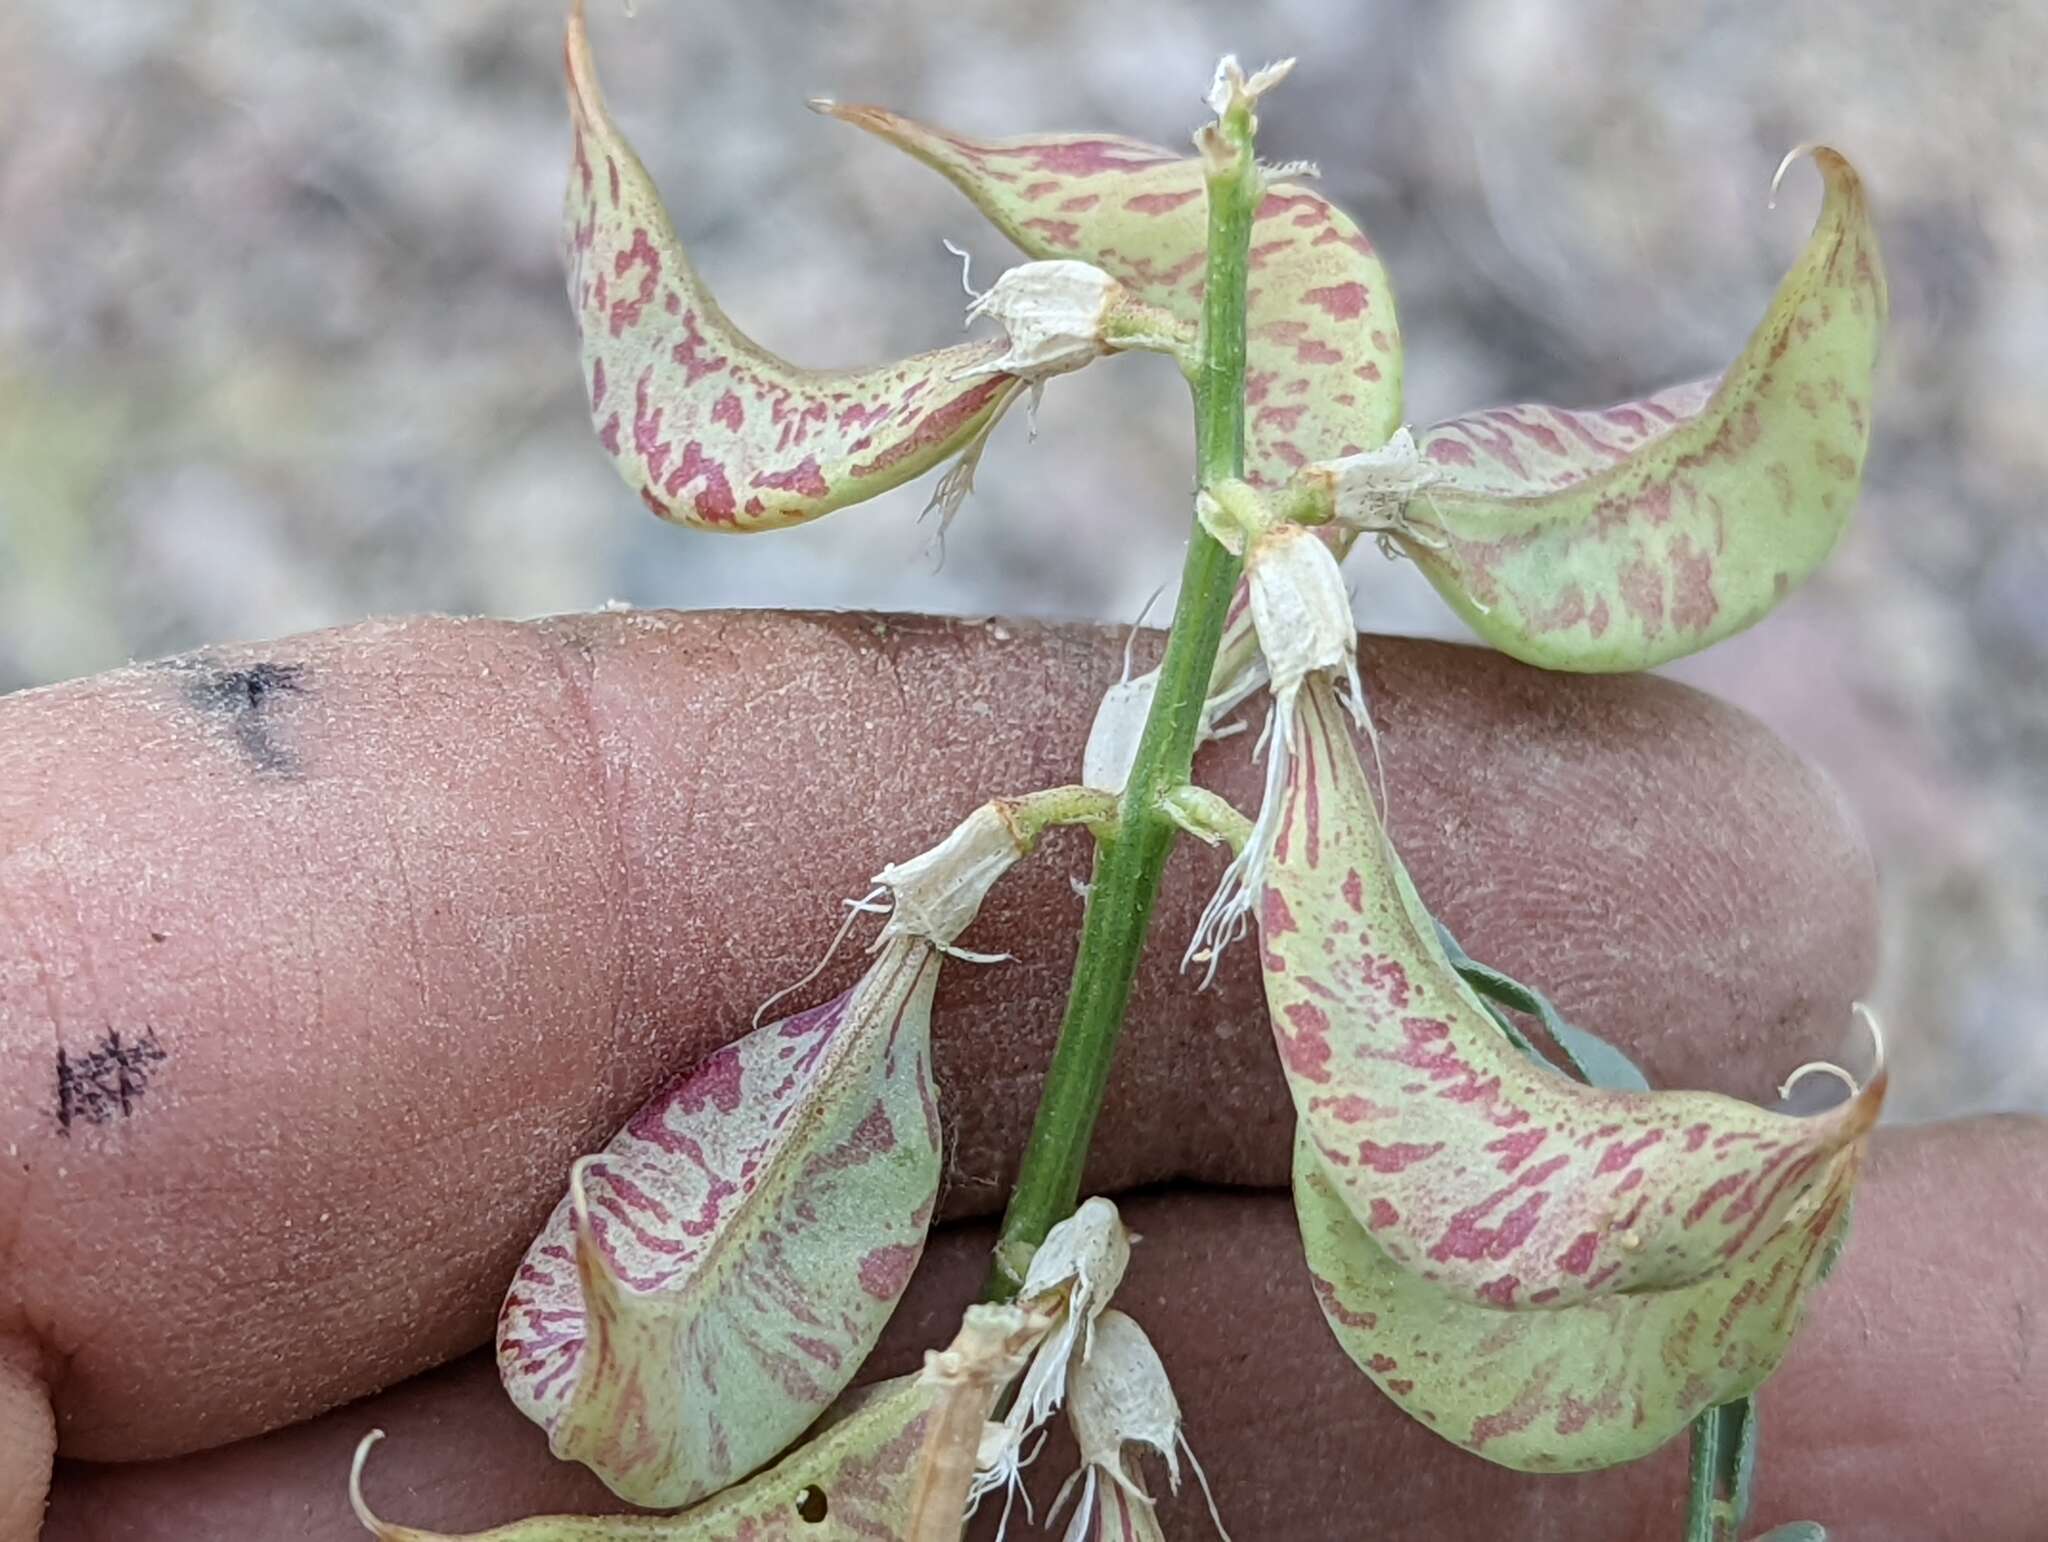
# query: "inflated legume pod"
707,426
1472,1167
1621,538
1322,349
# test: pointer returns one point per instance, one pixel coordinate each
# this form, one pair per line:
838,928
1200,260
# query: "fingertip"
28,1440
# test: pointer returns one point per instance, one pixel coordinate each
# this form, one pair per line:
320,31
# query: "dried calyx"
1059,315
935,895
1118,1396
1301,615
1072,1275
1371,492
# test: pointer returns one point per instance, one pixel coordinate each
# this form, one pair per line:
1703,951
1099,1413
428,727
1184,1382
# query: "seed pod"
1471,1166
711,429
891,1462
1623,538
1601,1382
717,1274
1322,350
715,1277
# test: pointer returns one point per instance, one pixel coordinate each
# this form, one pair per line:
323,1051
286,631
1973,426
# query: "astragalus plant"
1544,1261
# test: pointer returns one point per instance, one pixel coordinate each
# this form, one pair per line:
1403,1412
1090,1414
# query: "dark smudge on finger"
249,706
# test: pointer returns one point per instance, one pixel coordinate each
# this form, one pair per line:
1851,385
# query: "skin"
421,910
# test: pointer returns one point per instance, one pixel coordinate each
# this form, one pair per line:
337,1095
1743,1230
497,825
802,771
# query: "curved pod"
1322,348
1471,1166
1592,1385
708,427
1621,538
717,1274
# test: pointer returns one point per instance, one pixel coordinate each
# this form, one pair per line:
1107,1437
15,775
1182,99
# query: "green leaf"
1469,1165
1796,1531
1323,351
1598,1063
1723,1468
716,1276
1584,1386
707,426
1618,539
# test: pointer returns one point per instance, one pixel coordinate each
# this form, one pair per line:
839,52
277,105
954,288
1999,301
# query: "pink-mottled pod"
715,1276
1624,537
708,427
1322,348
1552,1275
1484,1173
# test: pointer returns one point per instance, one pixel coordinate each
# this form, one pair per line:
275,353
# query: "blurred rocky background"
283,342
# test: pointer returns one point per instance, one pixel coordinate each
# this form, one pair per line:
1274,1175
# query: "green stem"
1031,814
1207,816
1128,865
1724,1441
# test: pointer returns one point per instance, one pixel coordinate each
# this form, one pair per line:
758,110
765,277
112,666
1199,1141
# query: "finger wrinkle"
576,660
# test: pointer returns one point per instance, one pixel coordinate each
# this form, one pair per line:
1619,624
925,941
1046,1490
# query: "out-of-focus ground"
283,341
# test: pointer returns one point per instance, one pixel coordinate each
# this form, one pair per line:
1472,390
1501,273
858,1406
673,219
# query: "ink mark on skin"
107,1081
247,702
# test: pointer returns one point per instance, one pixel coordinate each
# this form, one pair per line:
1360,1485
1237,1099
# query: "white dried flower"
1113,737
1078,1266
1119,1396
1301,613
1055,315
1232,87
937,893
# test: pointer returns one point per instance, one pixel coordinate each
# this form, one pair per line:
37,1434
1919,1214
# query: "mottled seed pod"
717,1274
893,1462
1488,1177
715,1277
1591,1385
1622,538
710,428
1322,348
1514,1259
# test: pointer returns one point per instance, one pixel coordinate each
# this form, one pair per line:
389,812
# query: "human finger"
327,957
1908,1409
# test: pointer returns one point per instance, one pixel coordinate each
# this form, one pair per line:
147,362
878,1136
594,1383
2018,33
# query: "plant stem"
1128,865
1724,1441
